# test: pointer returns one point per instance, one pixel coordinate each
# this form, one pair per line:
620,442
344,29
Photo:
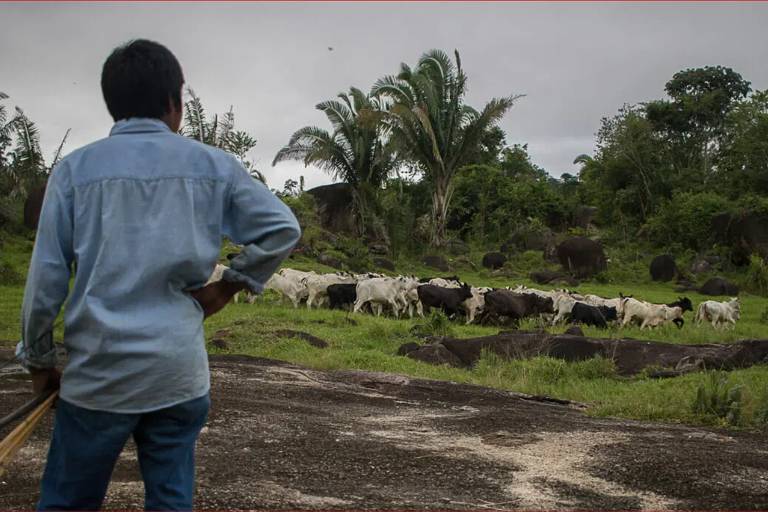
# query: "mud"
283,436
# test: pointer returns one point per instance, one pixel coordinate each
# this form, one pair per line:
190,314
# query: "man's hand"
45,379
215,296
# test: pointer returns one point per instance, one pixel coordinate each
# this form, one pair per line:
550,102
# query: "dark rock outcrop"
719,286
334,207
663,268
630,356
582,256
494,260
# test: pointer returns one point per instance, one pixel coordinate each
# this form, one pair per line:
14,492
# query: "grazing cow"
650,315
288,286
504,303
719,313
475,303
380,291
596,316
317,286
448,299
341,295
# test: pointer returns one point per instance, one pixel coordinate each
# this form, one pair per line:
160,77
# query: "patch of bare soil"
283,436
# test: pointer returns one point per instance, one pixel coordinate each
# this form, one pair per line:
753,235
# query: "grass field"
370,343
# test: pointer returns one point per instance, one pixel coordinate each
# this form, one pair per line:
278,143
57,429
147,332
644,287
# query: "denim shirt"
136,221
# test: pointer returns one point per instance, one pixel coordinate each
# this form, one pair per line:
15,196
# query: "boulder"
330,260
582,256
435,261
334,207
494,260
407,348
719,286
663,268
436,354
384,263
701,266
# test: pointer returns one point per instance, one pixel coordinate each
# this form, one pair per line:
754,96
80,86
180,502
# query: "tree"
432,126
358,150
742,164
693,121
219,132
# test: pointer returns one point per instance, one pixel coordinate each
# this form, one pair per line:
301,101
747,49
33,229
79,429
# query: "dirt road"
282,436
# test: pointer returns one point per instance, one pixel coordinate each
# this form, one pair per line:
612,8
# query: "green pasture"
369,343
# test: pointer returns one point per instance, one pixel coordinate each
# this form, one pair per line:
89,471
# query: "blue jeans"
86,445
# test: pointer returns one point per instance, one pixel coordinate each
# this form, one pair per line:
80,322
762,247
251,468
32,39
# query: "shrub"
756,280
717,398
686,220
437,324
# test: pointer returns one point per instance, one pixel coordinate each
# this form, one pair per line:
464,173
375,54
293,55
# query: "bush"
437,324
685,220
756,280
717,398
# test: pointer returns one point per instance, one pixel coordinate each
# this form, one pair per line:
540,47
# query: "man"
141,214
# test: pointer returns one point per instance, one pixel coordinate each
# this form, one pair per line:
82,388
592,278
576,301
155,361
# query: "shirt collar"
138,125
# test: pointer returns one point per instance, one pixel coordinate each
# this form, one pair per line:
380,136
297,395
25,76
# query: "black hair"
138,79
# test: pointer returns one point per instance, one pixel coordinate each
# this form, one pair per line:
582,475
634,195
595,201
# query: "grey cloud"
575,62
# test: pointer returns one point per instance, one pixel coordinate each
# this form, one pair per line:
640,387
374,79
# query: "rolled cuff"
35,361
233,276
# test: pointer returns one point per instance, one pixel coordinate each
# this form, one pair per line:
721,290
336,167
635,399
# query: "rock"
219,343
330,260
384,263
456,247
719,286
494,260
582,256
435,354
378,249
435,261
701,266
663,268
583,216
407,348
552,276
334,207
574,330
312,340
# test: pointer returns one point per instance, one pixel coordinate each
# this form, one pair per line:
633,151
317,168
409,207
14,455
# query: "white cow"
719,313
289,287
475,303
445,283
380,291
317,286
647,314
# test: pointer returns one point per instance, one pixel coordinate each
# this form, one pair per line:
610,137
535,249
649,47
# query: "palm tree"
218,132
433,127
357,152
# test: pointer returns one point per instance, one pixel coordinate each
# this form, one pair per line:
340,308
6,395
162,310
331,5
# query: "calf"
719,313
448,299
650,315
596,316
341,295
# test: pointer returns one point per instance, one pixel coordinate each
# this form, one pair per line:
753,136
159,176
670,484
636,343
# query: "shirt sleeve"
263,224
48,278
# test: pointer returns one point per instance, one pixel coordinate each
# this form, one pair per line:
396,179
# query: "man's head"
143,79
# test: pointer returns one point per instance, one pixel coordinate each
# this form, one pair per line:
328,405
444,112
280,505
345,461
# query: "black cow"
448,299
515,306
597,316
341,295
683,303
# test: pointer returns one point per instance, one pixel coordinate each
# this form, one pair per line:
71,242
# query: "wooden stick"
19,435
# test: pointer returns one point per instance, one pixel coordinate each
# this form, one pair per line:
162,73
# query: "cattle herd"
408,295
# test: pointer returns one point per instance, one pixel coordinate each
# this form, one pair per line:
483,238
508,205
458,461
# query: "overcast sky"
576,62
